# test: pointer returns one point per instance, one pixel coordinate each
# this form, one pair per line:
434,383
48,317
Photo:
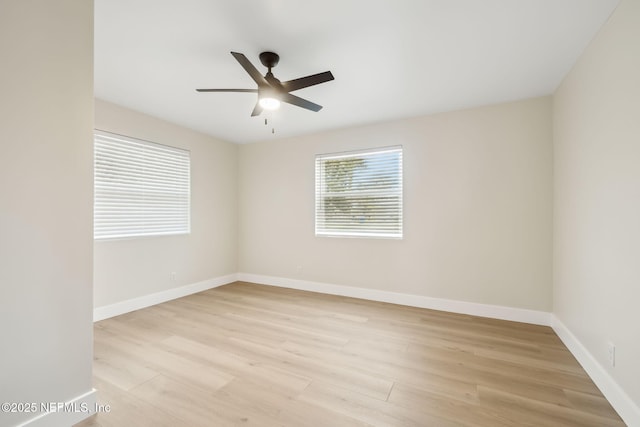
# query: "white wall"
131,268
597,198
477,202
46,187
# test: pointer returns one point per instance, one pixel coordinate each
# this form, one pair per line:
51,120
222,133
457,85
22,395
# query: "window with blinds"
359,194
141,188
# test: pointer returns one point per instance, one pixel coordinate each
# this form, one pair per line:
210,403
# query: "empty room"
317,214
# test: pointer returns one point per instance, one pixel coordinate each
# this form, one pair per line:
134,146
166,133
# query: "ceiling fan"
272,91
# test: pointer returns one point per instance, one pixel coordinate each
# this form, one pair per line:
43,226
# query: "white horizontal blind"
141,188
359,193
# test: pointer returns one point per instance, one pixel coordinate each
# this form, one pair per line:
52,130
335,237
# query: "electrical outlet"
172,276
299,269
611,354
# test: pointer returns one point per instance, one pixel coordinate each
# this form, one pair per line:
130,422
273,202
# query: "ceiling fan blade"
250,69
307,81
228,90
256,110
299,102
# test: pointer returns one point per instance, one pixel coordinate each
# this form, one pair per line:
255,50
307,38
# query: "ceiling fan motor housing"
269,59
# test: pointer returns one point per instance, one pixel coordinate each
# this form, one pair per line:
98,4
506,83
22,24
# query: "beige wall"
597,197
130,268
46,120
477,200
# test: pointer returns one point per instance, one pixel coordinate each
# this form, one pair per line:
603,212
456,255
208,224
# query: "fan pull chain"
273,130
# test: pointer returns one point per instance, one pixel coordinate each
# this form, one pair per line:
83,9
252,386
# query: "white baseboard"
475,309
107,311
67,413
621,402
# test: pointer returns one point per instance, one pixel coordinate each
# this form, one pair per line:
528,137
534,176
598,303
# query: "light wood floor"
252,355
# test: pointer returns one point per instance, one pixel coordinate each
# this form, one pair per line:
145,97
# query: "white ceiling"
391,59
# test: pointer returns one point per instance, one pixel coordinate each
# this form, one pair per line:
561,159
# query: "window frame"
320,195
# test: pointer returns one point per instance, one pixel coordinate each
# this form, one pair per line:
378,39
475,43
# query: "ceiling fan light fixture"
269,103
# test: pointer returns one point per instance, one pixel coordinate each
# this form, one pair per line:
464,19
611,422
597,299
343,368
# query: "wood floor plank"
538,412
371,385
591,403
127,410
195,407
425,403
367,409
247,354
122,372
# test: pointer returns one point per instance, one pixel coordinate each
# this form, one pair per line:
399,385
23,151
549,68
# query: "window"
141,188
359,193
